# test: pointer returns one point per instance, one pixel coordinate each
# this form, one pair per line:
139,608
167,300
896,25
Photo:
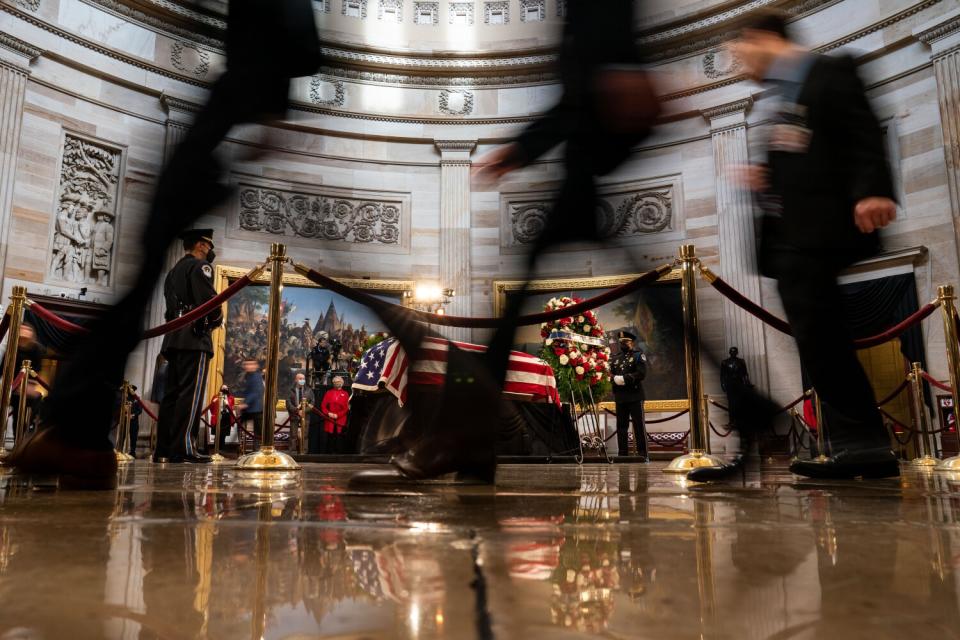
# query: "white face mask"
301,382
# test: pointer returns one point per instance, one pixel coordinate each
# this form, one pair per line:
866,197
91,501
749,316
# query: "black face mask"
625,345
211,256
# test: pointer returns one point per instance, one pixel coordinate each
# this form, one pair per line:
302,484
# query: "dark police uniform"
632,365
187,350
734,380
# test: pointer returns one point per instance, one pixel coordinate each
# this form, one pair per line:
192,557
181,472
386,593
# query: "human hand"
494,165
755,177
618,380
874,213
332,415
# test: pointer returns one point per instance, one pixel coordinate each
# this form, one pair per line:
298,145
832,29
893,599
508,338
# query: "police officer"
188,349
734,380
629,368
321,358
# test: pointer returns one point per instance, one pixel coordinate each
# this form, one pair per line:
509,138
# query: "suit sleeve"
546,132
862,134
203,290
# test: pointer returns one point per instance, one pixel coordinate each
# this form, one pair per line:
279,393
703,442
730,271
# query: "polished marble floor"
553,552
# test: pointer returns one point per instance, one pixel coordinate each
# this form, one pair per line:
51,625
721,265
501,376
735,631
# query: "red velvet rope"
783,326
667,419
894,393
173,325
146,409
43,383
484,323
4,325
939,385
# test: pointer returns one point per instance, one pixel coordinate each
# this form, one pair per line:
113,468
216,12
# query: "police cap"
191,237
626,335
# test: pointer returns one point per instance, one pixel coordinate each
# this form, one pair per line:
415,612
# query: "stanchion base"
123,457
950,464
693,460
267,459
925,462
216,458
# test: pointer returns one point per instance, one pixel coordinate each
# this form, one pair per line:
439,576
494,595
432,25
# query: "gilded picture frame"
503,288
224,275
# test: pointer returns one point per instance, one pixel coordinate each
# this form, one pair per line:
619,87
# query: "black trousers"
181,405
134,434
815,309
627,411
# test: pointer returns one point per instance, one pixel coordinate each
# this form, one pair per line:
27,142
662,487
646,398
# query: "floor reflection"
561,551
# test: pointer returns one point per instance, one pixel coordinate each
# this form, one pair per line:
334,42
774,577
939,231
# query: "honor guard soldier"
629,368
188,349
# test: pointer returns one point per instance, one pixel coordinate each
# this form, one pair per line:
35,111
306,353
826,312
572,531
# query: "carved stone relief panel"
189,59
533,10
83,246
461,13
29,5
327,93
720,63
631,211
340,218
390,10
496,12
426,13
456,102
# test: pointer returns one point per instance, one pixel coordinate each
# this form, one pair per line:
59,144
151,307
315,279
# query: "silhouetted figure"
734,380
268,42
825,189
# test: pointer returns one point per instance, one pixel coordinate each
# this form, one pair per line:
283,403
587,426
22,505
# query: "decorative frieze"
720,63
82,246
322,6
328,93
189,59
330,217
354,8
456,102
29,5
634,212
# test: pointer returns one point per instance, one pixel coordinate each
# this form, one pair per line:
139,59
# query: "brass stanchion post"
699,454
123,425
948,311
17,301
927,459
20,426
267,458
304,424
217,457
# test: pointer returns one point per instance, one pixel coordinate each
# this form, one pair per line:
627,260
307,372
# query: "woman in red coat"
335,406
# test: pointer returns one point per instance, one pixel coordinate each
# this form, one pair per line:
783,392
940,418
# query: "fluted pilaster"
737,233
455,227
943,37
15,58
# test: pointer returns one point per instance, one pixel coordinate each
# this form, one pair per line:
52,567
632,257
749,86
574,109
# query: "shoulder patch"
643,357
207,271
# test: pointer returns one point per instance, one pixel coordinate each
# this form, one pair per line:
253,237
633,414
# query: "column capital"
17,53
942,34
180,111
728,114
454,152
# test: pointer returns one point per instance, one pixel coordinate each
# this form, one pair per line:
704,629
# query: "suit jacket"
293,408
839,160
188,285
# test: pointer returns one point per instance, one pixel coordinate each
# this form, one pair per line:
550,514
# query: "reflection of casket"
532,421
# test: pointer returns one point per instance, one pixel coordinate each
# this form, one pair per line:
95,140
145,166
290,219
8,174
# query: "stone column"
15,58
737,234
455,228
943,37
180,114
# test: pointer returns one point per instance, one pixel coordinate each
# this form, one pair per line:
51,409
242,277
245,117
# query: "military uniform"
187,350
735,381
632,366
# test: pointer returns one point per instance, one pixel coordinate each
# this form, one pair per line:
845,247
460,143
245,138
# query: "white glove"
619,380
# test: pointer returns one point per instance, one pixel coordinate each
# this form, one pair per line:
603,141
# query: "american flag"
387,364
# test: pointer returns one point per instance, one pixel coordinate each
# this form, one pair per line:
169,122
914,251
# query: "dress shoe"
879,462
46,452
736,466
198,458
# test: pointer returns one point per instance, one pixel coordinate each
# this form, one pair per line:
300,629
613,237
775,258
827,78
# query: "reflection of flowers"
580,368
583,589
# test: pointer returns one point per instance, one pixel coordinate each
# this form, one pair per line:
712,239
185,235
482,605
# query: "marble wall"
78,68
